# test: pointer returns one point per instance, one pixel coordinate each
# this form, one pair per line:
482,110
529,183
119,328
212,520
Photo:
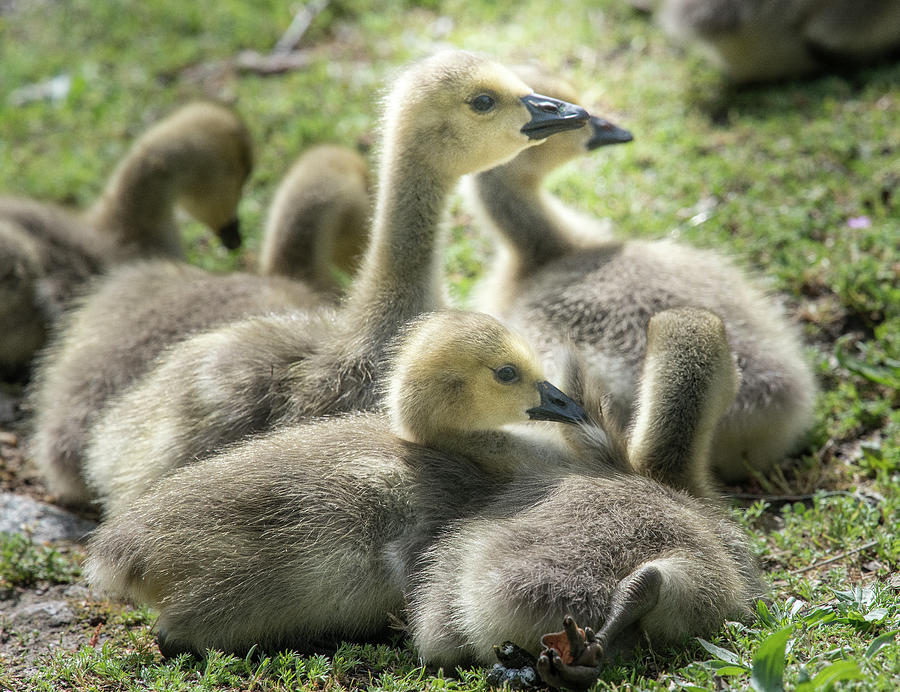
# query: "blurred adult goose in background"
759,40
256,373
306,534
129,316
198,159
609,546
318,221
550,281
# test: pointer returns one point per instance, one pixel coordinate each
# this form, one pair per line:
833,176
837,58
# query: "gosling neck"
516,205
501,451
673,431
292,243
137,205
400,277
498,452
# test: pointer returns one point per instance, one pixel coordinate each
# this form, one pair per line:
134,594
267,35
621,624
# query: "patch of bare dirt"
36,622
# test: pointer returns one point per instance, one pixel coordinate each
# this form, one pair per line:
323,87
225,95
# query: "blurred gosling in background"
130,316
320,241
198,159
762,40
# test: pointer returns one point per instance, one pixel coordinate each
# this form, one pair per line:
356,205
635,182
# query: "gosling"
613,546
197,158
129,316
550,280
318,221
756,41
306,535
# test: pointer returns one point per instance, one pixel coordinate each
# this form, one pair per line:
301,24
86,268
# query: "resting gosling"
318,221
197,158
759,40
129,316
602,295
257,373
607,546
305,535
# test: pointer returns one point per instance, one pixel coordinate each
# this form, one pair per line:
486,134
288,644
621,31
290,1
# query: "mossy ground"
800,182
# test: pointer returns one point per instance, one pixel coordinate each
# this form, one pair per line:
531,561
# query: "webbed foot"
571,658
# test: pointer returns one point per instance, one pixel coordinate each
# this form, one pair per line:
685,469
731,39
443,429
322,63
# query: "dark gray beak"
556,406
549,116
230,234
605,133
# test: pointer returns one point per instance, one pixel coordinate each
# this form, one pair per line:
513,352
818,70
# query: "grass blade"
722,654
880,642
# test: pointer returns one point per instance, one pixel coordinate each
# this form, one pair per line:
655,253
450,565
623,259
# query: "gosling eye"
482,103
507,374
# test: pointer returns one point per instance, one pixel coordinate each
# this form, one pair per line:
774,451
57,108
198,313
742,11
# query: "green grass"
800,182
24,564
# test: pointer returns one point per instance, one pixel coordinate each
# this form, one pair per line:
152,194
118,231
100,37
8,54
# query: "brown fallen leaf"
95,637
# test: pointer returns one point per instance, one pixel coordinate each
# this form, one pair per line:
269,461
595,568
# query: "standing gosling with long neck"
198,158
307,534
448,115
550,280
612,546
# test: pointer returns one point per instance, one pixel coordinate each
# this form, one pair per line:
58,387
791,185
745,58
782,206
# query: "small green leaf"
768,663
876,614
731,670
822,615
794,606
880,642
764,614
720,653
835,654
887,374
840,670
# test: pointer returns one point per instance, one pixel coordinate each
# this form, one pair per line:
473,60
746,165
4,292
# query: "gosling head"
455,372
213,156
535,163
461,113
